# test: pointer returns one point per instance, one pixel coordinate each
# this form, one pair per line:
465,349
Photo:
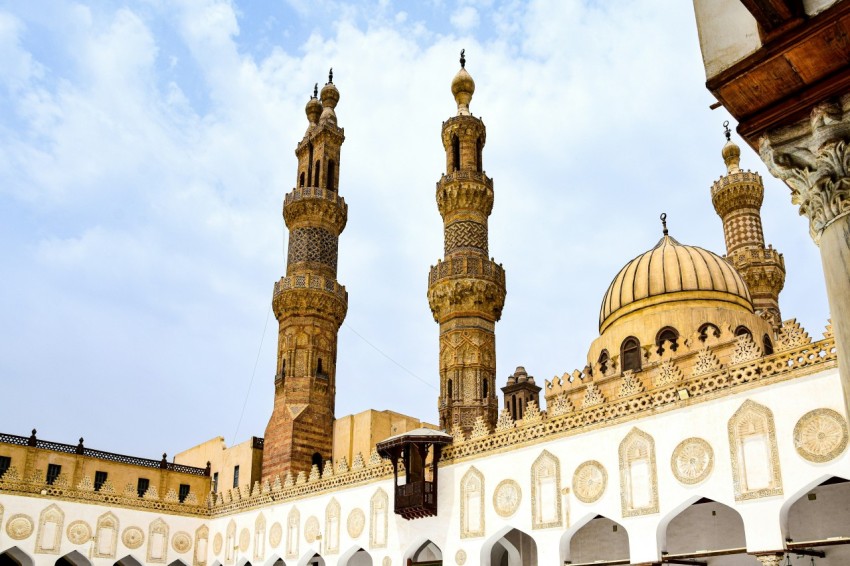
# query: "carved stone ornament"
79,532
133,537
244,540
275,535
774,559
589,481
356,522
460,557
820,435
19,527
387,561
181,542
507,497
218,540
692,460
312,529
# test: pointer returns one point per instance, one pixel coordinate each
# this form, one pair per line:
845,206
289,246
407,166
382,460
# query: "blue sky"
145,149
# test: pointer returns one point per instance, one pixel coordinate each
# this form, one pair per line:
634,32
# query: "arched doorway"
599,539
705,528
312,559
427,554
509,547
128,561
15,557
275,560
355,556
818,519
73,558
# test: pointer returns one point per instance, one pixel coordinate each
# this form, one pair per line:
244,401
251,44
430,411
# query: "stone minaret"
519,392
309,303
737,198
466,290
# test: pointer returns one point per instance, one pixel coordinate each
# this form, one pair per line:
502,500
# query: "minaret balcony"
315,204
465,190
466,267
305,294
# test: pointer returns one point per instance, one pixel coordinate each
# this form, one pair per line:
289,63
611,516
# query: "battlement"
467,267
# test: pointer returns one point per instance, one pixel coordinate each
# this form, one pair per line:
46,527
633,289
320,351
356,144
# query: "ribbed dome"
672,272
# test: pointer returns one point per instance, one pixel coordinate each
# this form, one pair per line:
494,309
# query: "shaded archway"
701,528
275,560
596,539
509,547
15,557
425,553
128,561
818,518
73,558
178,562
312,558
355,556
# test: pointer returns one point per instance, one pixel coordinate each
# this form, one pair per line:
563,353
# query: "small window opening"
301,180
316,171
99,480
630,354
513,406
5,464
603,360
215,482
484,389
478,149
331,172
53,471
449,389
743,331
310,163
235,476
183,493
142,486
768,345
707,330
317,461
667,334
455,153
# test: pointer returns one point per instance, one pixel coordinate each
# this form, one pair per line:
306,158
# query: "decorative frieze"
820,435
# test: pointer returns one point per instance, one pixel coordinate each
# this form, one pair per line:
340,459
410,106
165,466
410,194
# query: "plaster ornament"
792,335
356,522
181,542
387,561
275,535
707,362
631,384
218,540
692,460
752,425
589,481
311,529
19,527
668,373
746,350
133,537
79,532
379,523
820,435
505,421
244,540
460,557
546,492
50,523
561,405
507,497
472,504
592,396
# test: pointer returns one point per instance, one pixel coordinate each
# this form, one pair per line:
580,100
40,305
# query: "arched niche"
472,504
332,519
702,528
106,535
15,557
509,547
259,538
638,476
379,519
230,542
293,530
202,539
754,453
355,556
49,535
546,491
424,552
597,538
158,542
73,558
817,515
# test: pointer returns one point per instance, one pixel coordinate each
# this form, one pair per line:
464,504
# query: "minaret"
466,291
308,302
737,198
519,392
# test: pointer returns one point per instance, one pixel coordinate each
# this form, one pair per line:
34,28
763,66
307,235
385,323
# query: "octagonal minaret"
308,302
737,198
466,290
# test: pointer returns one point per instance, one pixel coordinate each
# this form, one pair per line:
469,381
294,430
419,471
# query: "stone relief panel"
217,543
79,532
260,537
546,492
106,535
275,534
507,497
50,524
460,557
692,461
379,519
638,475
202,538
19,527
158,542
356,522
181,542
332,514
754,453
589,481
472,504
133,537
820,435
293,532
244,540
312,529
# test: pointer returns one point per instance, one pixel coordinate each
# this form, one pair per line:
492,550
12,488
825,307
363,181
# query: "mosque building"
705,428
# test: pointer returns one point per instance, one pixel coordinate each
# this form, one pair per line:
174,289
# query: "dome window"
667,334
603,361
743,331
630,354
707,330
768,345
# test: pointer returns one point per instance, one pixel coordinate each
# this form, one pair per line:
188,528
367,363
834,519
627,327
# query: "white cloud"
465,18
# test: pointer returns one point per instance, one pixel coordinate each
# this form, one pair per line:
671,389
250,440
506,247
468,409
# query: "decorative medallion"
387,561
589,481
506,498
19,526
356,522
312,529
79,532
217,543
820,435
692,460
460,557
133,537
275,535
181,542
244,540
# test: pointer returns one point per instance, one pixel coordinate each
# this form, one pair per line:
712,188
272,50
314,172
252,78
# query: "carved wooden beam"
773,14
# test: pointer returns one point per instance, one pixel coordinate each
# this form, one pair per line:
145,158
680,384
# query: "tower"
519,392
466,290
737,198
308,302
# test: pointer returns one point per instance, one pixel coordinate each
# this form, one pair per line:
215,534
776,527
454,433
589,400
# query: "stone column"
771,559
812,157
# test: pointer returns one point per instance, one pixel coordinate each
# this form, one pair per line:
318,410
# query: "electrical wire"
251,383
388,357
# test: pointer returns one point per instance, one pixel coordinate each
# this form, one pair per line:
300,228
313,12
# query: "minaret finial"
462,59
664,222
331,76
727,131
316,90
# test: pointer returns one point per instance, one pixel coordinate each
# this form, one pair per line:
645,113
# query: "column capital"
812,156
770,558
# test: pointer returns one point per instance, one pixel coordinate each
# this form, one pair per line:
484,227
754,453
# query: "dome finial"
316,90
664,223
727,131
463,87
462,59
731,152
331,76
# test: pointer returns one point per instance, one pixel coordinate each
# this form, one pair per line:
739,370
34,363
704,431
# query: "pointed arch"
509,546
73,558
275,560
259,537
230,542
106,535
128,560
158,541
701,525
355,556
311,558
49,536
332,515
595,538
638,476
178,562
755,456
17,556
293,532
472,504
423,551
202,541
546,491
819,510
379,519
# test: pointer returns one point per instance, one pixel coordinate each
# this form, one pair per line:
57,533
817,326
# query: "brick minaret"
737,198
466,291
309,303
